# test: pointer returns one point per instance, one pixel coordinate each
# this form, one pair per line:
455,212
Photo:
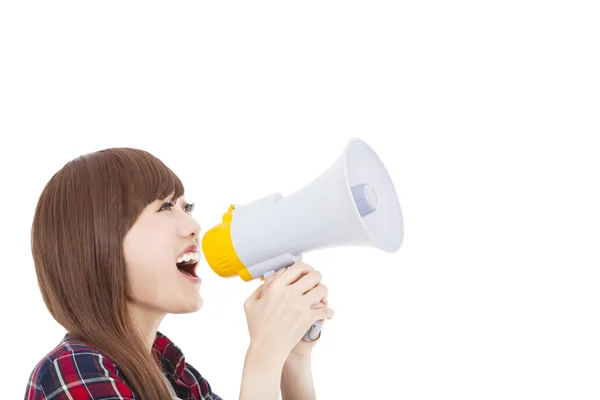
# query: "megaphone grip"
314,332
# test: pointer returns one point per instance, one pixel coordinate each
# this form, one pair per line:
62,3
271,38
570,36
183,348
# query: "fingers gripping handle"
314,332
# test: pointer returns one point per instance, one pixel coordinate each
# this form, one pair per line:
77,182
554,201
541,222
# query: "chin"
189,308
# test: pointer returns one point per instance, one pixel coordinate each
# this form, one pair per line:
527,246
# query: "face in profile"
153,247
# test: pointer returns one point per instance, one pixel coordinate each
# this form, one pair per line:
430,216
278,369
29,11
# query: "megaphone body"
353,203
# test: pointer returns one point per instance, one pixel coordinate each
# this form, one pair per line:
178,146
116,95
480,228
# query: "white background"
486,115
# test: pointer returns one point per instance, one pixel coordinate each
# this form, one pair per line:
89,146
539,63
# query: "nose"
190,228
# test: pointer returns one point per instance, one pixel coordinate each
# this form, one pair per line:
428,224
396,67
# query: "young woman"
110,233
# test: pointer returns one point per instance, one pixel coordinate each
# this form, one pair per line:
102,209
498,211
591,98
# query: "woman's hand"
312,283
281,310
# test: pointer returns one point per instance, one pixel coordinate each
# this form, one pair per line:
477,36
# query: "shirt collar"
169,355
166,352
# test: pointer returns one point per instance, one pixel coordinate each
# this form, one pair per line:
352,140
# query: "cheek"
150,262
150,266
139,285
149,279
149,252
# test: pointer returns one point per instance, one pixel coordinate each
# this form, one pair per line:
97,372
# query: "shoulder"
182,373
76,370
192,379
192,376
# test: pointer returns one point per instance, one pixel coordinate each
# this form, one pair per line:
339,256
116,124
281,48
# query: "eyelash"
189,206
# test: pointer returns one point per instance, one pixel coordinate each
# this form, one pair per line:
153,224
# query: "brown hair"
80,221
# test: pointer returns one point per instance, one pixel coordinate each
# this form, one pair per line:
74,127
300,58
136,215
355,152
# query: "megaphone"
353,203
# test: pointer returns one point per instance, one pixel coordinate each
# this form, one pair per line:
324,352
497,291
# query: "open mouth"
188,267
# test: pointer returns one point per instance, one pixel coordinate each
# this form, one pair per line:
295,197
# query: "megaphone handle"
314,332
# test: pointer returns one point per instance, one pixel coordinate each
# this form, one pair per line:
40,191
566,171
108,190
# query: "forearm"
261,376
296,379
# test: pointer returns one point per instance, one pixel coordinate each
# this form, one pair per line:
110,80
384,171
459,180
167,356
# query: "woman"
110,232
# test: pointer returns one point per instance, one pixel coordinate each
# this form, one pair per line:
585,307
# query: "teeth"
194,256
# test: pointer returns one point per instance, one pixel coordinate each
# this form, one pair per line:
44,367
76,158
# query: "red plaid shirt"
76,371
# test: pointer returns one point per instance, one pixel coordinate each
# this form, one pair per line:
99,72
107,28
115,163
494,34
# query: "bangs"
144,178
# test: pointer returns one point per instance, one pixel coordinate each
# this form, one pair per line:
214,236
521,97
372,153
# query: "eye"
169,205
189,207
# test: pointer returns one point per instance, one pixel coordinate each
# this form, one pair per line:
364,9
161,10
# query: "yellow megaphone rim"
219,251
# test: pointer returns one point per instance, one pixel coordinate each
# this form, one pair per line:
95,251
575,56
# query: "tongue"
186,268
185,272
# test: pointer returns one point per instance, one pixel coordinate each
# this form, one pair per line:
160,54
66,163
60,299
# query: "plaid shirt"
76,371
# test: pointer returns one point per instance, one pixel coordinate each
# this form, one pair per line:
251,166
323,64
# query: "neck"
147,321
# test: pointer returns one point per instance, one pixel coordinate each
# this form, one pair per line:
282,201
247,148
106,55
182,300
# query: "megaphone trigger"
314,333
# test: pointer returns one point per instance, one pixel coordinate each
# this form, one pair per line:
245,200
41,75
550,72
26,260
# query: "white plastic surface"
323,213
352,203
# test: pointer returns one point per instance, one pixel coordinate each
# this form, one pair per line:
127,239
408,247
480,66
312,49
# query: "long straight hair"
82,216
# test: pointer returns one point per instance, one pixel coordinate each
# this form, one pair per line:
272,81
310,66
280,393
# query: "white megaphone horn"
353,203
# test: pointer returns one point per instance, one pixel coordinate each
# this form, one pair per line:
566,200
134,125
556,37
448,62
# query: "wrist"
298,360
263,355
296,378
261,377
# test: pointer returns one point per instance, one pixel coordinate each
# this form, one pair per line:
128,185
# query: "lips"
188,267
191,249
